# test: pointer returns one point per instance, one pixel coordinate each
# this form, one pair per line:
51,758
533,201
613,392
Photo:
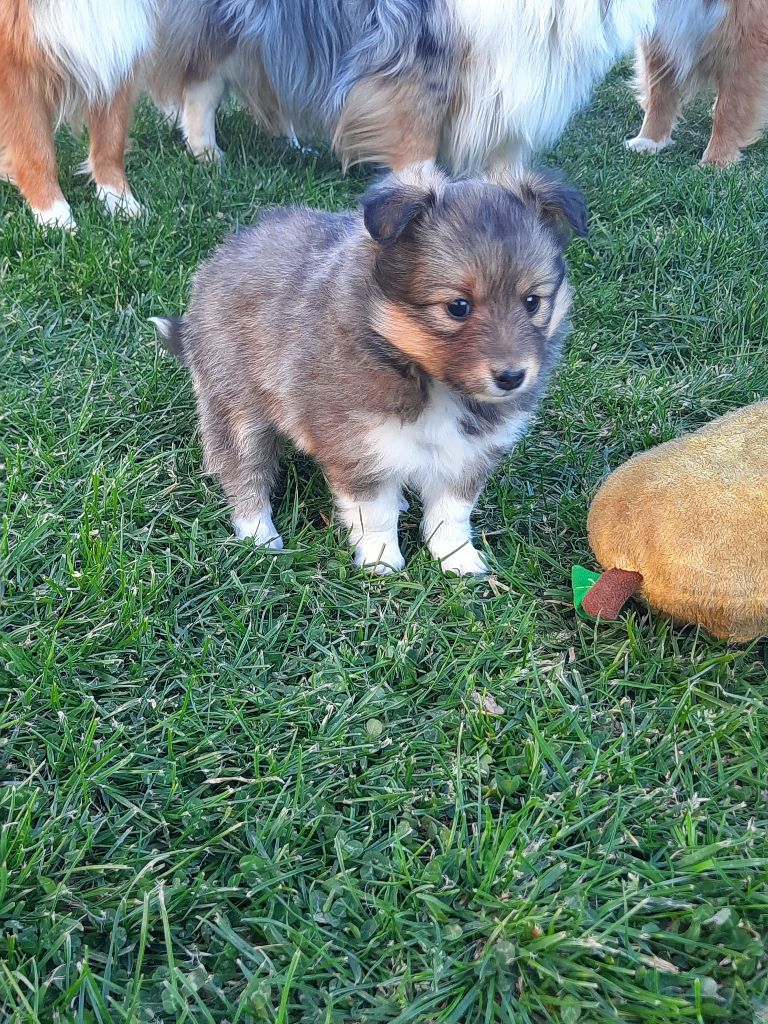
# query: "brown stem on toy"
607,597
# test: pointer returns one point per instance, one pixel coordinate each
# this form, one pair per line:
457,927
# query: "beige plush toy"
686,524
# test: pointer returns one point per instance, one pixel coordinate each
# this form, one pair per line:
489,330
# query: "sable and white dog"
69,59
472,83
404,347
695,42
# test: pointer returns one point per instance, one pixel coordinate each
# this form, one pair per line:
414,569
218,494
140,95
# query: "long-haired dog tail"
170,330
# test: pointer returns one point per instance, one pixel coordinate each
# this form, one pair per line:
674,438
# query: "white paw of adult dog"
466,561
210,153
640,144
115,203
58,215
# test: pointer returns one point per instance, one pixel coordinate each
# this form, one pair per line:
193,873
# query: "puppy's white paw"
261,529
467,561
403,504
378,557
115,203
58,215
640,144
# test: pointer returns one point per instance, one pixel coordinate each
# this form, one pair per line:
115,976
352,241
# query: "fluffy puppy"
69,59
695,42
471,83
403,347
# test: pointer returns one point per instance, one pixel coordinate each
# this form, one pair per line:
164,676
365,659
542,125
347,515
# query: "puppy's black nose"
509,380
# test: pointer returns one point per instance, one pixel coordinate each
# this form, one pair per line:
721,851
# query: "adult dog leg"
108,126
393,122
661,101
29,160
741,108
198,117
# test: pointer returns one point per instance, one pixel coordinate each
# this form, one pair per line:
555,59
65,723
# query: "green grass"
244,789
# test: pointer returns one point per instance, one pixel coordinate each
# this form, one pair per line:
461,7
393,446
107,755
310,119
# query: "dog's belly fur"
475,83
529,72
683,30
95,43
437,445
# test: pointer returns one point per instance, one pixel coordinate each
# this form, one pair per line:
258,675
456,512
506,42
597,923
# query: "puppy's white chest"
437,444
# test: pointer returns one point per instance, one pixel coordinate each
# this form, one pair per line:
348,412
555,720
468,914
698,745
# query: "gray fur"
313,52
394,82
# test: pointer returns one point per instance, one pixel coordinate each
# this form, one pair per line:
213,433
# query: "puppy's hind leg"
198,117
244,456
108,126
660,100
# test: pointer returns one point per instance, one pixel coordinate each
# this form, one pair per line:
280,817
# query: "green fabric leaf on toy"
602,595
582,581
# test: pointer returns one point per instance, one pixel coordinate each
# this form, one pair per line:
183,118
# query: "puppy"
694,42
68,59
472,83
403,347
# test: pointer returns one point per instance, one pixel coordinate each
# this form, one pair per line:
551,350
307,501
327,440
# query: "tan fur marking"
387,121
408,337
742,103
257,92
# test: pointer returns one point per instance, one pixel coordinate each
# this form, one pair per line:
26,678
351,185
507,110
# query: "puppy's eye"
459,309
532,303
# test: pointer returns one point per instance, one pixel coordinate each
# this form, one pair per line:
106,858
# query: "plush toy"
686,525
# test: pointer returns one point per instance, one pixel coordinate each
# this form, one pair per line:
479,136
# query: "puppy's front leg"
372,525
447,530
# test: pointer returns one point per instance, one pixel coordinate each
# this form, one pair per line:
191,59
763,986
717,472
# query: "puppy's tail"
170,330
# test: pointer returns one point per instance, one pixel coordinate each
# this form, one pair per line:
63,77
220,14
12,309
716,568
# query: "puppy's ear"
554,201
389,212
390,208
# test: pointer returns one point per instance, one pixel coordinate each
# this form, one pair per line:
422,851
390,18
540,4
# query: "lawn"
242,788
